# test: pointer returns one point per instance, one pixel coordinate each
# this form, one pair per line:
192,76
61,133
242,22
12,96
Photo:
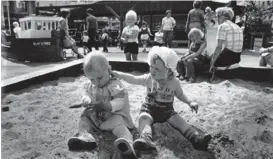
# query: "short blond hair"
195,32
95,61
15,24
131,13
225,11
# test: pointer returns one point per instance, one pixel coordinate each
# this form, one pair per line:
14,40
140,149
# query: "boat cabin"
38,26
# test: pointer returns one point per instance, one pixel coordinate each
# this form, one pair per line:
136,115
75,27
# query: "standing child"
105,38
159,37
145,36
130,36
107,109
162,86
194,59
85,39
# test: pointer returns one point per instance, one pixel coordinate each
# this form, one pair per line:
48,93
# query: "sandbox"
239,114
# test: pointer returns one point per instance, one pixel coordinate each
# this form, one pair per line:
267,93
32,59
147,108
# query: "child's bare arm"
183,97
137,80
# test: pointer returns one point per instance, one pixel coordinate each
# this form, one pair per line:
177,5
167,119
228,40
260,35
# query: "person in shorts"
161,88
130,36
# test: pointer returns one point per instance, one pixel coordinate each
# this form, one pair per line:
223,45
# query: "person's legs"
144,43
134,57
76,51
170,38
83,140
262,61
128,56
181,69
165,37
199,141
144,142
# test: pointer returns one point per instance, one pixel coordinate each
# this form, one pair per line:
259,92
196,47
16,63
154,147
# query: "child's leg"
199,141
144,142
83,140
134,57
124,137
262,61
144,42
181,68
128,56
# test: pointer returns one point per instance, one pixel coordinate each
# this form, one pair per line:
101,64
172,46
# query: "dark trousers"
167,38
105,44
189,67
227,58
92,32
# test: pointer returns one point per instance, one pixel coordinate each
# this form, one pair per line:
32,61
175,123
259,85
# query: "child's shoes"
125,148
144,143
201,142
82,142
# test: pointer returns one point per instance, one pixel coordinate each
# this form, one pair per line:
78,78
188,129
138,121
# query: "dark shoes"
201,142
82,142
144,143
125,148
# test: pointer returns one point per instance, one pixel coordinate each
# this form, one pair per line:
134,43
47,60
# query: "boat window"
22,25
25,25
44,26
53,25
29,24
48,26
38,25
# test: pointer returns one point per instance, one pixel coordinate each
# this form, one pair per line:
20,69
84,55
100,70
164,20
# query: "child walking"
162,86
105,38
145,36
85,39
130,36
107,109
194,58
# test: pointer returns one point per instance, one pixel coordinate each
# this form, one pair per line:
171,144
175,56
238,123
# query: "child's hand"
86,100
194,107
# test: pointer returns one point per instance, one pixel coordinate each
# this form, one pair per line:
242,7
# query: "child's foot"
82,142
144,51
144,142
125,148
201,142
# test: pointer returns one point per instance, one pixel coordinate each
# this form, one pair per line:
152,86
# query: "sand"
237,113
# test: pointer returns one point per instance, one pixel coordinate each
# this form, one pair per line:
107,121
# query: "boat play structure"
36,42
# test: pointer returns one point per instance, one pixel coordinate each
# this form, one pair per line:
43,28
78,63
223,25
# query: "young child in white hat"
162,85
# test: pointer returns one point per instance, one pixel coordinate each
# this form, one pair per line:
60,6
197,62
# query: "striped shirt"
232,34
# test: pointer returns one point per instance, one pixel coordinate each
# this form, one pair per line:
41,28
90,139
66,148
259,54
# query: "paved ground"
11,68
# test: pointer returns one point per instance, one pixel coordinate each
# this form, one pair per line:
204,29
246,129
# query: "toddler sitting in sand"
107,108
162,86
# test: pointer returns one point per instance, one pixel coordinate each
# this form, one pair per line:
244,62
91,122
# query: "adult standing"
229,40
92,27
67,40
196,18
16,29
168,23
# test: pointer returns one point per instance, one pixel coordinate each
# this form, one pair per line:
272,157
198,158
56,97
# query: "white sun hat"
167,55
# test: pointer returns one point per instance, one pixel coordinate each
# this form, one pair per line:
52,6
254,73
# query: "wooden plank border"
74,68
